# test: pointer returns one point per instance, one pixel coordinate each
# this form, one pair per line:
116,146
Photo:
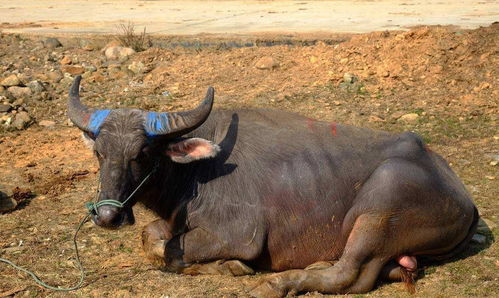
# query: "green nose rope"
92,209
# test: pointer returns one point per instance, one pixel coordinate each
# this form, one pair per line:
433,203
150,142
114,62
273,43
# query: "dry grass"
128,38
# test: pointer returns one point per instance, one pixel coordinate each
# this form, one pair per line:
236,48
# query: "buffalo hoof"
220,267
269,288
155,254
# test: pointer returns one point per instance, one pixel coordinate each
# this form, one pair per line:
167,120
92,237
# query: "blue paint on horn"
96,120
156,123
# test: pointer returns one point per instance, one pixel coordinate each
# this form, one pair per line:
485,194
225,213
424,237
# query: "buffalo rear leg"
355,272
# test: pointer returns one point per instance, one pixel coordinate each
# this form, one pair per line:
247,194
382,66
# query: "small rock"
494,163
73,69
118,52
480,239
90,68
113,43
52,43
24,78
66,60
86,75
313,59
22,120
374,118
36,86
66,81
55,76
397,115
19,92
87,45
97,77
46,123
6,119
491,177
137,67
5,108
344,61
6,203
410,118
18,102
114,67
11,80
266,63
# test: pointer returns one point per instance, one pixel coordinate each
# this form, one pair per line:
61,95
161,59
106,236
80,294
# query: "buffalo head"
128,143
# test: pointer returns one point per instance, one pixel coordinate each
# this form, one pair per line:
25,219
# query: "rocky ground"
441,82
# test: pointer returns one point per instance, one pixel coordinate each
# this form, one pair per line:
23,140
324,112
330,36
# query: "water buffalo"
334,207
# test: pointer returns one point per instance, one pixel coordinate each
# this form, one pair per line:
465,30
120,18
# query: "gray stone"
36,86
11,80
21,120
19,92
52,43
5,108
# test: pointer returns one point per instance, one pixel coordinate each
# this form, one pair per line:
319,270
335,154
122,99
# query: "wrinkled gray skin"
283,192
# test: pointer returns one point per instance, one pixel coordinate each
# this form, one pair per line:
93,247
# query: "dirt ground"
444,77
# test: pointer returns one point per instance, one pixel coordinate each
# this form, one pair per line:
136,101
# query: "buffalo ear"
88,140
192,149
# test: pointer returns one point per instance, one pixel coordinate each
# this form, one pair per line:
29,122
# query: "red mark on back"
333,128
310,123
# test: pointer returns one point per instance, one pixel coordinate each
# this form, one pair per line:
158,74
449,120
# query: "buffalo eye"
143,154
98,154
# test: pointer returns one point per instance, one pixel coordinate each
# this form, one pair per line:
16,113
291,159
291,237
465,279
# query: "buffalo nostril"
117,220
109,216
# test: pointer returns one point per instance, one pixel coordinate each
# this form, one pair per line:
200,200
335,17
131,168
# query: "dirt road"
193,17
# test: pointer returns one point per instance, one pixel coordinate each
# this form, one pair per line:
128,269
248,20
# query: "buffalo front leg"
167,252
154,238
200,251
